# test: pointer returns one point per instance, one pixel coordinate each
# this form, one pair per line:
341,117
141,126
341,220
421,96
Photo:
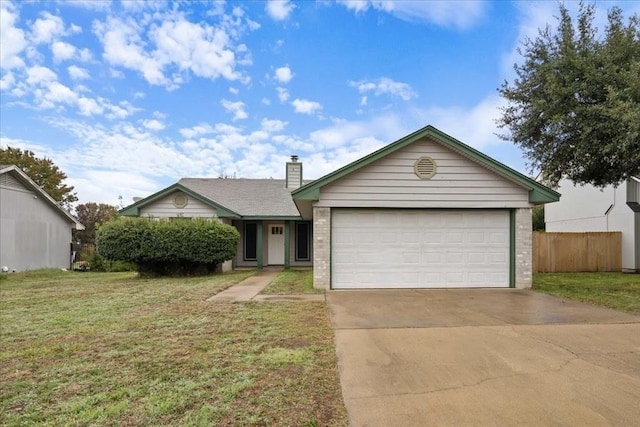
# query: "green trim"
287,250
134,209
259,244
512,248
538,193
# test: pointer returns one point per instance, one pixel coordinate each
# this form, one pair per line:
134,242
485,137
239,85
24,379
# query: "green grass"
614,290
292,282
113,349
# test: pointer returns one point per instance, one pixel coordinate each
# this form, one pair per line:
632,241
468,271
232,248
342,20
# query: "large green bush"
181,246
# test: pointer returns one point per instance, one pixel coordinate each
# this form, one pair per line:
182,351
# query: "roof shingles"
247,197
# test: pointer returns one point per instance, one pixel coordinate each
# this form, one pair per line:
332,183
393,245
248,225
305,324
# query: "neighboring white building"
35,232
587,208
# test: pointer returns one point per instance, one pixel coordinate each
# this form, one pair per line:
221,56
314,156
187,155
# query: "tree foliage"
574,107
43,172
180,246
91,215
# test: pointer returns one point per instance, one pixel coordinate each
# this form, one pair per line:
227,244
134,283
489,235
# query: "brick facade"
524,248
321,247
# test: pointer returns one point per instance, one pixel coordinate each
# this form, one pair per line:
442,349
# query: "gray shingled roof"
247,197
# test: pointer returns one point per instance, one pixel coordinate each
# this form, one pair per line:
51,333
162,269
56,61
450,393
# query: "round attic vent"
180,200
425,167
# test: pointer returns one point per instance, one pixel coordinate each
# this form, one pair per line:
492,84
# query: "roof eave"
24,178
222,211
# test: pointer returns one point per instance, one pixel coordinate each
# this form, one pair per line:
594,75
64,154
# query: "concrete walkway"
249,288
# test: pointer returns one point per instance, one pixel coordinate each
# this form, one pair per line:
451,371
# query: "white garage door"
406,248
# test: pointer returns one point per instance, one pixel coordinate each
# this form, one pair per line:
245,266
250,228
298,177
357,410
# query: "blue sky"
129,97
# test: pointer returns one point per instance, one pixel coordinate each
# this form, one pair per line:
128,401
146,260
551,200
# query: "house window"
303,240
250,241
277,229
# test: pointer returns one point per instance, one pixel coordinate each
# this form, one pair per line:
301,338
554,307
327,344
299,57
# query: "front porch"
284,242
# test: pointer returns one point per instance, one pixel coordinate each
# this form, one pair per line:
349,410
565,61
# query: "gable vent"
425,167
180,200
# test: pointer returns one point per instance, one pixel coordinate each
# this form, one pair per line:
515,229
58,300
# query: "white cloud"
205,50
62,51
273,125
283,94
7,81
123,46
283,74
234,90
163,49
77,73
49,93
198,130
304,106
384,86
89,106
47,29
460,14
40,75
477,122
279,9
12,39
153,124
238,109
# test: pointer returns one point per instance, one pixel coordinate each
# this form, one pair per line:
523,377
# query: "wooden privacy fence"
572,252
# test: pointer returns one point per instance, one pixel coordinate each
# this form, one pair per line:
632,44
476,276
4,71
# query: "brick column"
524,248
321,247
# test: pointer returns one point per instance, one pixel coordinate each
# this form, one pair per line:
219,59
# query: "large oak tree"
574,107
43,172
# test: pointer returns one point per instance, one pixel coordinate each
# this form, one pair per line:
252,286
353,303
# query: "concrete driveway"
484,357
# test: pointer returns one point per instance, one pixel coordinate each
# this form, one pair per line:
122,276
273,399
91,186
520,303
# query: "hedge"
167,247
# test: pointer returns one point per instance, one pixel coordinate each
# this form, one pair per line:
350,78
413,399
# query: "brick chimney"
294,173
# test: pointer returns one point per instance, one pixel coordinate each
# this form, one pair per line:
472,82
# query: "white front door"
275,244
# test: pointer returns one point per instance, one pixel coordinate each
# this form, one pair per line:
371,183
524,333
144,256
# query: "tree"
91,215
574,107
43,172
537,216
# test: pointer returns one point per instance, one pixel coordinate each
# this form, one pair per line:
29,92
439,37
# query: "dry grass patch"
112,349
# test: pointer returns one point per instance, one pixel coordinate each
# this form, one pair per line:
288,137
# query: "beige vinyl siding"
164,208
391,182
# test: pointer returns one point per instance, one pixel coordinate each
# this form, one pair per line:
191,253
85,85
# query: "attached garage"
419,248
426,211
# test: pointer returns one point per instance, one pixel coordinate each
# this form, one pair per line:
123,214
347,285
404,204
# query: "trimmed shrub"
175,247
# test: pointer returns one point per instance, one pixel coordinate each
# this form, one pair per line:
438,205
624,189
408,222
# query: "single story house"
426,211
587,208
35,231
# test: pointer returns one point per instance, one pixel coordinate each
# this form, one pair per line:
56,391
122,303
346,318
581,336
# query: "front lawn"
292,282
113,349
614,290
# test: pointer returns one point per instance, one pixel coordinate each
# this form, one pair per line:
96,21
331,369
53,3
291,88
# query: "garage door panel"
398,248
